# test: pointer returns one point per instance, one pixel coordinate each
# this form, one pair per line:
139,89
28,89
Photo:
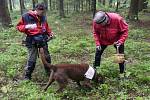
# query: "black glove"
49,38
117,43
98,48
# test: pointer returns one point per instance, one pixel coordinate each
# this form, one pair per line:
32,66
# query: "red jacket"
32,18
115,30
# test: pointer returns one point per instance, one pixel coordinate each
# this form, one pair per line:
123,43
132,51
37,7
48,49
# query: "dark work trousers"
32,56
99,53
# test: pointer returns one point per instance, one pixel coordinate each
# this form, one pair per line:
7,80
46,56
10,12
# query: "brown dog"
62,72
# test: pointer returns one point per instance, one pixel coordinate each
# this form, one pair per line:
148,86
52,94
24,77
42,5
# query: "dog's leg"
51,80
61,87
78,83
62,81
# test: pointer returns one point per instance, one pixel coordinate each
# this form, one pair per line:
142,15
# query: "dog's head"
99,78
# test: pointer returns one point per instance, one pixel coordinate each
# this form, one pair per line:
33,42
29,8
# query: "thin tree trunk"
110,3
89,4
61,8
54,5
86,5
117,7
82,5
57,4
74,5
93,7
22,7
103,2
100,1
13,4
133,11
10,6
4,14
50,4
34,2
78,5
46,3
124,3
142,5
67,8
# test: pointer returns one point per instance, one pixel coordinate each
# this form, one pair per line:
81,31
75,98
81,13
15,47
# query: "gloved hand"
30,26
51,37
117,43
98,48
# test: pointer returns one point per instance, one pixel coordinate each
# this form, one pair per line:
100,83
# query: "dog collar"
90,73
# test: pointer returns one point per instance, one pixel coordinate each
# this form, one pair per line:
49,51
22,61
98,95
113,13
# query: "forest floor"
74,44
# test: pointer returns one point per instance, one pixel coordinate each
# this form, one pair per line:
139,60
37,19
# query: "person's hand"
30,26
98,48
51,37
117,43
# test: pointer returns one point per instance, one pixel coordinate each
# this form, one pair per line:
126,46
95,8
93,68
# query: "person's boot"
28,70
96,65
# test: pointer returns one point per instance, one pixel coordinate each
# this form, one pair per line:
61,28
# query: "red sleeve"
96,35
21,25
123,26
48,30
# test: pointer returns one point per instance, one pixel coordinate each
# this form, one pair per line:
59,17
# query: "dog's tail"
42,55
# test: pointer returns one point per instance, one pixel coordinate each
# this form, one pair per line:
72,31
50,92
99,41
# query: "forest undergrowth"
74,44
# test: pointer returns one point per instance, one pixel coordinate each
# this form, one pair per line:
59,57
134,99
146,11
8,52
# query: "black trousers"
31,62
99,53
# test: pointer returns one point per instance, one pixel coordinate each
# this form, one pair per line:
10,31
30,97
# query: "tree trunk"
50,4
117,7
22,7
67,6
100,1
10,5
89,3
124,4
46,3
82,5
58,4
110,3
5,19
61,8
86,5
54,3
133,11
93,7
103,2
74,5
142,4
77,5
34,2
13,3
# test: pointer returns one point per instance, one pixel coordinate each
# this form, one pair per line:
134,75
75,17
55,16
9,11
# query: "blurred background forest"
71,20
67,7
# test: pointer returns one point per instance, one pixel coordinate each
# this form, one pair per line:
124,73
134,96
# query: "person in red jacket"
35,26
109,29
